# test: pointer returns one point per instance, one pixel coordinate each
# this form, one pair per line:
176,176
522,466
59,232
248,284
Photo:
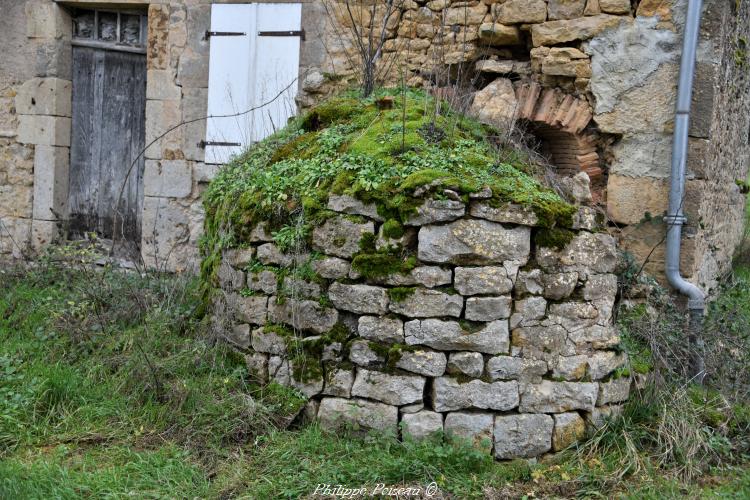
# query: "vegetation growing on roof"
390,157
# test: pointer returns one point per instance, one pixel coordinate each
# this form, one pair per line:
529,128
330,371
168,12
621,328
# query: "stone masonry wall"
609,69
490,336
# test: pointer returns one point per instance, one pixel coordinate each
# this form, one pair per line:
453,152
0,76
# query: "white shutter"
246,71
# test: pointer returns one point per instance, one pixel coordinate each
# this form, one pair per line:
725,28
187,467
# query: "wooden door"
254,63
108,133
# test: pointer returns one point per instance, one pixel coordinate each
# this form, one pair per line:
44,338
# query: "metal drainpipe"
675,218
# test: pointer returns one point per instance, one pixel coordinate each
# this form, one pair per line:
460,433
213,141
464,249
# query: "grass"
111,387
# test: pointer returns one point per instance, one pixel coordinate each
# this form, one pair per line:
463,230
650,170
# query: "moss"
400,293
347,145
380,264
281,330
553,237
391,354
367,243
392,229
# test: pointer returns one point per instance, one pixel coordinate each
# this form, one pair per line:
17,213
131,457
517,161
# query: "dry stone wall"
486,335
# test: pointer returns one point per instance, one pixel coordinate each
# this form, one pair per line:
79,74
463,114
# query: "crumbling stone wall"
491,336
618,61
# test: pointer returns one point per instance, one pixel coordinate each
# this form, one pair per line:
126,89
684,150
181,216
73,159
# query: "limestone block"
603,363
253,310
260,233
44,130
338,414
550,339
592,8
340,237
160,85
43,233
168,178
470,15
475,427
530,282
487,308
303,314
239,258
381,329
566,61
473,242
513,368
631,199
522,436
257,366
570,367
422,362
449,394
432,211
449,335
406,240
301,289
349,205
268,342
53,59
269,254
428,276
528,311
331,268
45,96
360,299
558,397
360,353
51,172
192,69
499,34
229,278
495,104
501,68
278,370
587,253
470,364
600,286
569,429
614,391
482,280
339,383
510,213
565,9
161,116
391,389
582,28
520,11
167,231
421,424
615,6
157,51
239,335
263,281
597,336
47,20
426,303
558,286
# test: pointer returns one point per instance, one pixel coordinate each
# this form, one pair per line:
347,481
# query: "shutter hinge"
203,144
299,33
209,34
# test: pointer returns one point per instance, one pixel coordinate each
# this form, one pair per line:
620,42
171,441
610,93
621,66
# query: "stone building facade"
593,80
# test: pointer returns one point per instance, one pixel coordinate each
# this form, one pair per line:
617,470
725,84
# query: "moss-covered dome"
392,149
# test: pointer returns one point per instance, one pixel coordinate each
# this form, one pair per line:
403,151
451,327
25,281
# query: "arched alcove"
559,120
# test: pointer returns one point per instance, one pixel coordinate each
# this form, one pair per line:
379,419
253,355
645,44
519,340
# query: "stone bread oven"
501,331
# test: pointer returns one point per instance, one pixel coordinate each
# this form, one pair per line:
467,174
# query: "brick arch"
559,120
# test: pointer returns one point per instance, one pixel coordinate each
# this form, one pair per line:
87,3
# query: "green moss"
553,237
392,229
347,145
400,293
391,354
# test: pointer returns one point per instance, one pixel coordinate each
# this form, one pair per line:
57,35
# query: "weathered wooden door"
108,133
